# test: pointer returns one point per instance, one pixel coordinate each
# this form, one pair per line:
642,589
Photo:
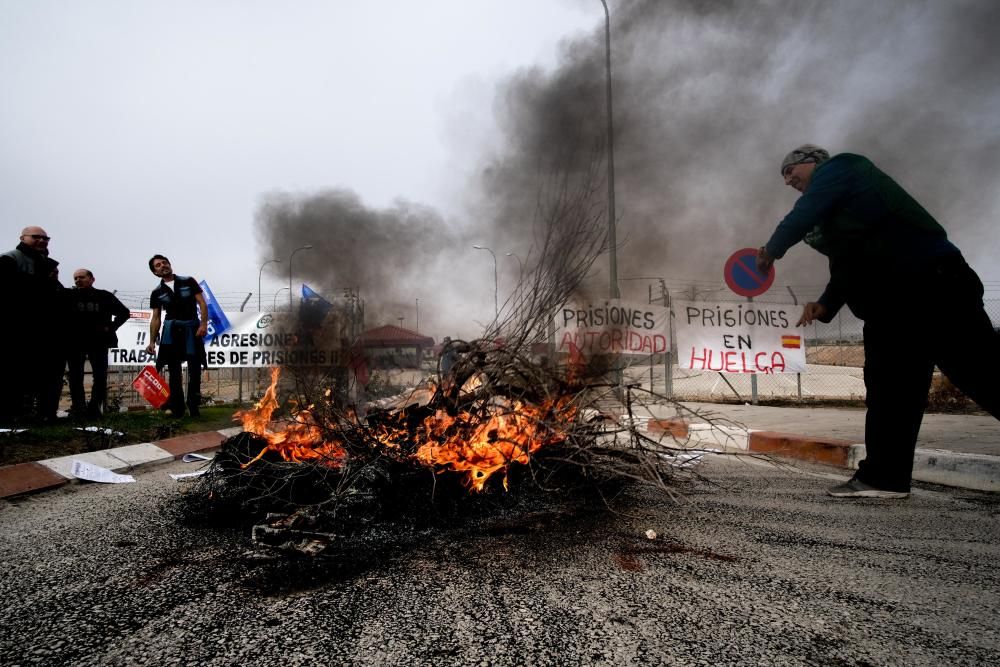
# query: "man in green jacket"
893,266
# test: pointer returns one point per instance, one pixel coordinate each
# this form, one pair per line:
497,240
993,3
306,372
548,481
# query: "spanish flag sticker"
794,342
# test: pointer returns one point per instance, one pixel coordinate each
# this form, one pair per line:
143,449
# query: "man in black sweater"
94,317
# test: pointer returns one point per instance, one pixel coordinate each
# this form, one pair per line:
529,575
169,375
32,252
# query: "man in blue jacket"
889,261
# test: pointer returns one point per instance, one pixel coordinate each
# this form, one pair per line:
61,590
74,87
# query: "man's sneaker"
855,488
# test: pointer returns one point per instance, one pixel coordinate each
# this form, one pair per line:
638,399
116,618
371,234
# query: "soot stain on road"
497,532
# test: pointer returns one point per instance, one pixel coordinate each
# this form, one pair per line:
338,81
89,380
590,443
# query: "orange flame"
476,444
481,446
300,441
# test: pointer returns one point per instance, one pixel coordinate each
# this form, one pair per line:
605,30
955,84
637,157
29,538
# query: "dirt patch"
836,355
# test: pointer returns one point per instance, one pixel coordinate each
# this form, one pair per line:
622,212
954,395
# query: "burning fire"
476,444
481,446
300,441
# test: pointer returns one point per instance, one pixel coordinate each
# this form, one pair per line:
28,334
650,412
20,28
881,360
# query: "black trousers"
98,356
32,383
942,323
176,381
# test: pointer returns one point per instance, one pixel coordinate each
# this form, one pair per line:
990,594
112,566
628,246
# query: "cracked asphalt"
755,566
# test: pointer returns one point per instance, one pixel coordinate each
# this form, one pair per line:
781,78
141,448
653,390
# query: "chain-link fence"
221,386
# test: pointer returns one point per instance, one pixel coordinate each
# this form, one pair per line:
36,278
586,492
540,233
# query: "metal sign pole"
753,376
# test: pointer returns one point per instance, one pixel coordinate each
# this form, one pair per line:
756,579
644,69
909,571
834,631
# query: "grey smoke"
390,255
710,95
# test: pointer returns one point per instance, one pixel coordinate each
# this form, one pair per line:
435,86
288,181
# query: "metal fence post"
798,376
668,359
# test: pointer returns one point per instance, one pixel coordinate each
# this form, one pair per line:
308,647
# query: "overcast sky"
393,135
136,127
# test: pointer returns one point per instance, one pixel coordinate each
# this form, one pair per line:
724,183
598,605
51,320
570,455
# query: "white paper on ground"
13,430
98,429
191,458
187,475
92,473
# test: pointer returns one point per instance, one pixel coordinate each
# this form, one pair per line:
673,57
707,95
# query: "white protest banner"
612,326
133,336
739,337
250,342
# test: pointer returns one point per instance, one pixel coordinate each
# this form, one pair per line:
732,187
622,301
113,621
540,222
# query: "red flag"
151,386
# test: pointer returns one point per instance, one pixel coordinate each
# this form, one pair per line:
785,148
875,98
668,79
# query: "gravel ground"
757,567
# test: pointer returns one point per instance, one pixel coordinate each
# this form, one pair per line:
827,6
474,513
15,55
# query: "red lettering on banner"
756,360
730,362
612,341
777,362
721,362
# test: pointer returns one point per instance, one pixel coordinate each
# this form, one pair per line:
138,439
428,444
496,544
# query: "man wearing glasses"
892,264
30,336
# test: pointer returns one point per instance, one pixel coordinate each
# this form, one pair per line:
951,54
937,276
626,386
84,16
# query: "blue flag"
217,320
315,301
313,309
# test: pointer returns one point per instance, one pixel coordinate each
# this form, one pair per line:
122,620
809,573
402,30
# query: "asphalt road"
757,567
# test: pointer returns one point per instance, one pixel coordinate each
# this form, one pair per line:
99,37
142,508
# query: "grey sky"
130,128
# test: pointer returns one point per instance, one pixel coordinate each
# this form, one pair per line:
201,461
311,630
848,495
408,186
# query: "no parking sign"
742,276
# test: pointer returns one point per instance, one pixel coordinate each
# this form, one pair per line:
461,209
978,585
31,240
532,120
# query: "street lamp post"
305,247
259,274
417,327
520,264
274,306
612,240
496,302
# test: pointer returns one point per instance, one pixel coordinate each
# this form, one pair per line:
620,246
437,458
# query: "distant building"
394,347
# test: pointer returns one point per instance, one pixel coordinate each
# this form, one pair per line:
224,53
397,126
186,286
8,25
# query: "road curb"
980,472
24,478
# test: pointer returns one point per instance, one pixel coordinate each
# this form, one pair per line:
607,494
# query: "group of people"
49,328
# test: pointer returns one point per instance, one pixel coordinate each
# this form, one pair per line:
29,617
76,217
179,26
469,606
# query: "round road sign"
742,276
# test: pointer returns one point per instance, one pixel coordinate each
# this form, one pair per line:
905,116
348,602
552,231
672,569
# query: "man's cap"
803,155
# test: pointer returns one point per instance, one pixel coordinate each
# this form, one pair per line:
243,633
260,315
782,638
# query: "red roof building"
390,346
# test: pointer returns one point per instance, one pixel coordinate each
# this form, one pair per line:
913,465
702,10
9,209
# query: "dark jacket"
94,317
877,237
29,292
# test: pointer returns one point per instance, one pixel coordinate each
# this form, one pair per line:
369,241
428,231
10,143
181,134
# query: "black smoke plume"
391,256
708,97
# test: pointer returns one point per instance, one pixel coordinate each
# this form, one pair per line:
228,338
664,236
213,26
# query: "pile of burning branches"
503,420
498,424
